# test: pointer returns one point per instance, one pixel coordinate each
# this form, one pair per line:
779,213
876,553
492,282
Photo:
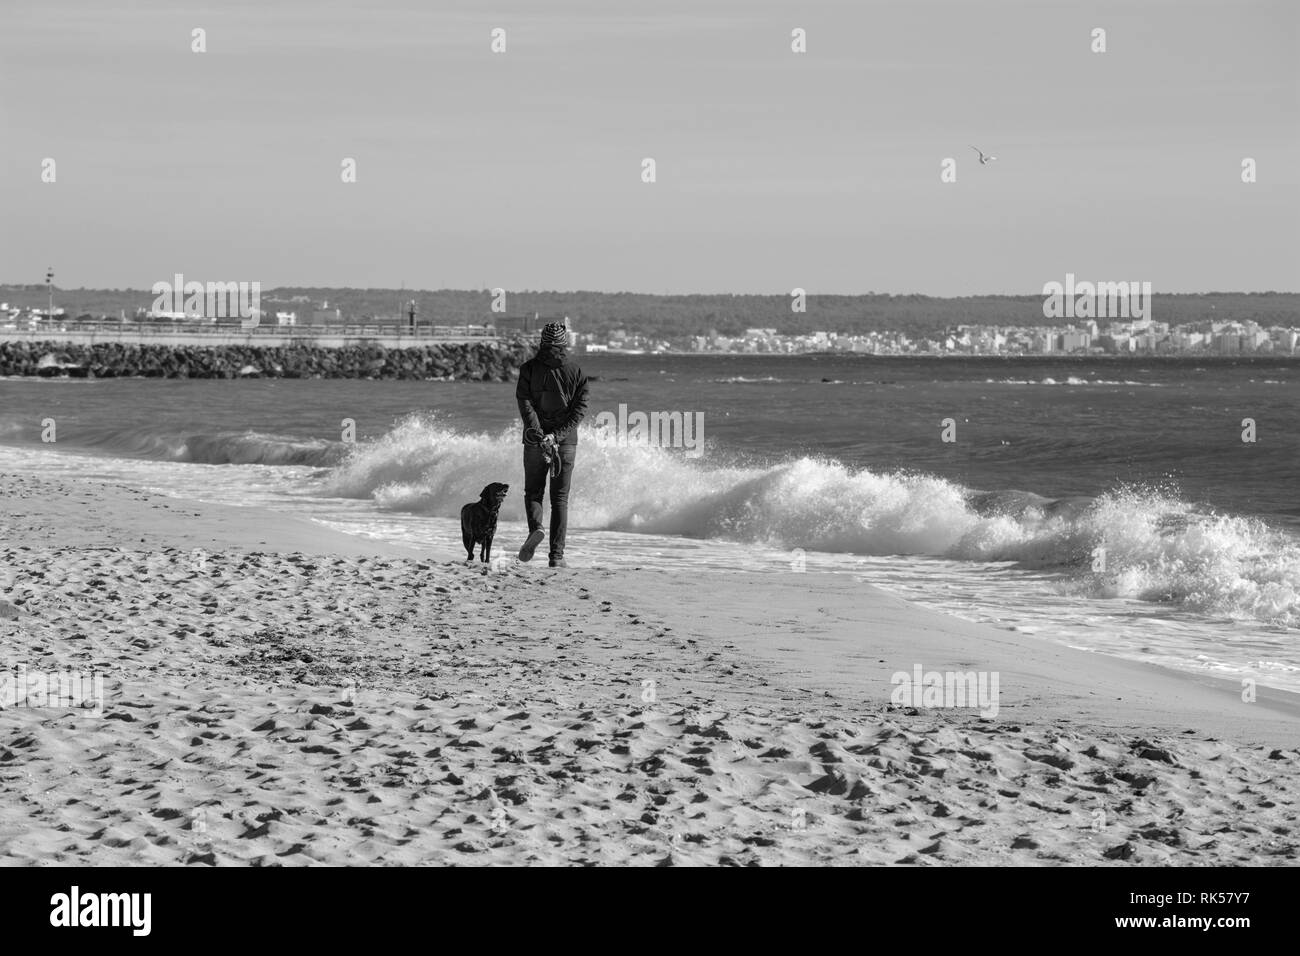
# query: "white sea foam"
1157,548
1072,380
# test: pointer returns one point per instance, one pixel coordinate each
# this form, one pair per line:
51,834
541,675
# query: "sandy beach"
276,693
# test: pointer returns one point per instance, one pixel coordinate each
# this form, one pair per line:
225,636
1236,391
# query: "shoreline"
301,695
717,597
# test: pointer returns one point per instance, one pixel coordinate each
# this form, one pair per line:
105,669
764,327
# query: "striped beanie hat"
554,336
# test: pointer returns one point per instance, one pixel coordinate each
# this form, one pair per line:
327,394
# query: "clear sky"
774,169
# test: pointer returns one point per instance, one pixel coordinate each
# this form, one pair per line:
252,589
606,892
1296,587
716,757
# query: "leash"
550,451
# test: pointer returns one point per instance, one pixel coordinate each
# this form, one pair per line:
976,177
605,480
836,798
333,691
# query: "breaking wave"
1132,542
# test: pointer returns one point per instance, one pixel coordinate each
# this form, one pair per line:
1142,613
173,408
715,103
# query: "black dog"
478,520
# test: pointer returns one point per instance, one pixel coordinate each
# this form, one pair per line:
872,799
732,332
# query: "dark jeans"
535,476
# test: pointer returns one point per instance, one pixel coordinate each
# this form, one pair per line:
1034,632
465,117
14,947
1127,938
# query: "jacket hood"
552,357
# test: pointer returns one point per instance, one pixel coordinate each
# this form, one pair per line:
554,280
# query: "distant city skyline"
774,169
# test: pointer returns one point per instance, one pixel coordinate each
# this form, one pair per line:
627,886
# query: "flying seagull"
984,160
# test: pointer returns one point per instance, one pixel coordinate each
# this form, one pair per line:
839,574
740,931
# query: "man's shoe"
534,539
558,563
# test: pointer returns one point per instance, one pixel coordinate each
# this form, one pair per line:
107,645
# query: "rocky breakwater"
476,362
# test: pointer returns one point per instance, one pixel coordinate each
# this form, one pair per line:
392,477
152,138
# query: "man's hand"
551,454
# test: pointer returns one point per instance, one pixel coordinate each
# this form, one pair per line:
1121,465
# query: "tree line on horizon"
675,317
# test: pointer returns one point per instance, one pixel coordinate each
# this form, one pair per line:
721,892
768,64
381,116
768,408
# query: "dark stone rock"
480,362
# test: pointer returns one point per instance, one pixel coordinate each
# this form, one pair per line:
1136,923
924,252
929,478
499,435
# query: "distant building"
1072,340
1226,344
324,316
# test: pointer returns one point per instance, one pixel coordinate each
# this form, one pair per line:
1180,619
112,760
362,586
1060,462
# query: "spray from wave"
1132,542
773,380
155,443
218,448
1071,380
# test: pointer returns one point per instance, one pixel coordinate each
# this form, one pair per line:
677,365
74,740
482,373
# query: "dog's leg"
467,536
487,545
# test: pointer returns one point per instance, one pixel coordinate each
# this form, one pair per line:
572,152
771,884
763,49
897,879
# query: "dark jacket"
552,396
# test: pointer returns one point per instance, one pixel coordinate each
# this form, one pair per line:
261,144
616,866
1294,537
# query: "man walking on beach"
552,396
